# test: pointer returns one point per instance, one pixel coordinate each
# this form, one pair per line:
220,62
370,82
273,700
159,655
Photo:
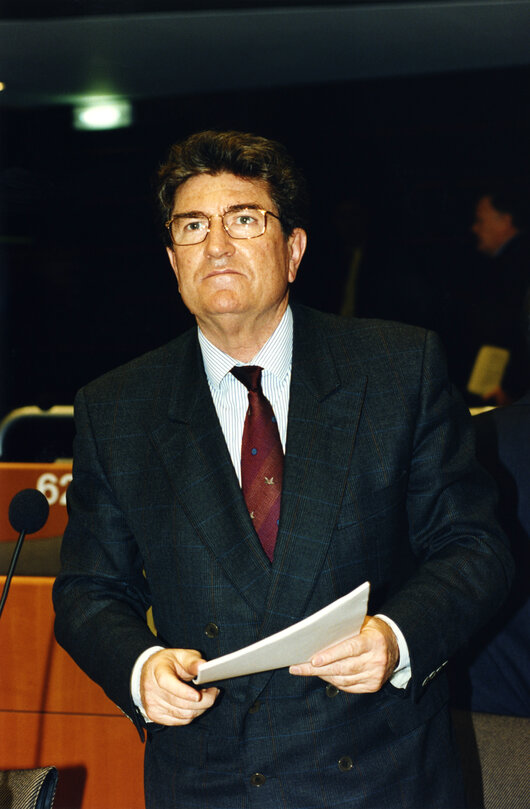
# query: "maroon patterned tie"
261,459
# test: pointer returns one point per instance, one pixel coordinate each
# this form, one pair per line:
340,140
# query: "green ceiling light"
102,113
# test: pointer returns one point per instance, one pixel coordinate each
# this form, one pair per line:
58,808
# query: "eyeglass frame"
233,209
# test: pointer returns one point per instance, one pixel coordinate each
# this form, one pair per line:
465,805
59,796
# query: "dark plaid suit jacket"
379,484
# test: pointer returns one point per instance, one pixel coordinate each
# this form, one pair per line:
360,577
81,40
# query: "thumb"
187,663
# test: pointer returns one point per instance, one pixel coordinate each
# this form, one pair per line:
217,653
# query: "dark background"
85,280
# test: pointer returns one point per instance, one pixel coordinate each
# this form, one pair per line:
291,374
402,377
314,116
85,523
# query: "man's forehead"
217,191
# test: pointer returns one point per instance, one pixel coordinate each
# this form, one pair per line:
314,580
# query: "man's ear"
173,261
296,244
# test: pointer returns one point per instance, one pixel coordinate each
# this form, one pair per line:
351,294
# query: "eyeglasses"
240,223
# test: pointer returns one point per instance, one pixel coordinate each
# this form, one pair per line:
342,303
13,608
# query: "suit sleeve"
465,568
101,595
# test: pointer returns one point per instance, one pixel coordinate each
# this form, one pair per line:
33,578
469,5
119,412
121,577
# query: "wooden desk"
52,713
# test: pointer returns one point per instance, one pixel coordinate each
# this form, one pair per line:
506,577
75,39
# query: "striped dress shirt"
230,396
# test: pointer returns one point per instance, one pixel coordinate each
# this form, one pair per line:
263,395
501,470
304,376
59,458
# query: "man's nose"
218,242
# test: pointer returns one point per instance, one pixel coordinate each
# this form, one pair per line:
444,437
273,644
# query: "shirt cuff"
135,678
402,673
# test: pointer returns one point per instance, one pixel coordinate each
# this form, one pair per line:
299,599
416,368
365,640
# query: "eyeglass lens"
241,224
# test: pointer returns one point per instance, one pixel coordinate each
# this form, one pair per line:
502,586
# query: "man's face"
491,227
222,275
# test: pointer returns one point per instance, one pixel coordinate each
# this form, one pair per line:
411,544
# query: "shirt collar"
274,357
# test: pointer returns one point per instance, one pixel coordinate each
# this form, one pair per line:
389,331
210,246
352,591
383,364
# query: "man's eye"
194,225
244,219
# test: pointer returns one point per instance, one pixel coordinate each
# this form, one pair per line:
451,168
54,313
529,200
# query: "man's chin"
226,301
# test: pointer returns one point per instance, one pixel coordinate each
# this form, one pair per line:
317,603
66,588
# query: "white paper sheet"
296,644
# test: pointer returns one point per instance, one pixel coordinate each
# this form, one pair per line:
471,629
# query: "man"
496,222
378,483
492,674
494,314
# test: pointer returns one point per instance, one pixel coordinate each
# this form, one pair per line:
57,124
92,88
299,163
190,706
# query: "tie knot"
249,375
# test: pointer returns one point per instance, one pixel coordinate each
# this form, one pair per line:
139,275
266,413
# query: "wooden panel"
52,713
100,759
51,479
38,675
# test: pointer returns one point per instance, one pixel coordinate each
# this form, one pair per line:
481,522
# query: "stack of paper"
297,644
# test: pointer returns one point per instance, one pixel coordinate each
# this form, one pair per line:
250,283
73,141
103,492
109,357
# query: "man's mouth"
225,271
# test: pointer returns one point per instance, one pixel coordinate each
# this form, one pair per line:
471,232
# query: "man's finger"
351,647
178,711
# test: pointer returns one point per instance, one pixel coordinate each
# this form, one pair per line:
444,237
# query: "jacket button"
345,763
254,708
257,779
211,630
331,690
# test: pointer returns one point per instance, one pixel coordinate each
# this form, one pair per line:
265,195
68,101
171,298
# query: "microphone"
28,512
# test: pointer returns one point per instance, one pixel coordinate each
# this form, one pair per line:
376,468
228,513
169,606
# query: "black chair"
495,755
31,435
28,789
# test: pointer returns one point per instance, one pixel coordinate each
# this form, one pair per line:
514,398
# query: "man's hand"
166,697
361,664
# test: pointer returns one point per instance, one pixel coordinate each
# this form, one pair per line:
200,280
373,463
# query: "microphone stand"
12,565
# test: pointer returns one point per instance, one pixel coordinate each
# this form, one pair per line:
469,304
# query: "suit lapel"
194,453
